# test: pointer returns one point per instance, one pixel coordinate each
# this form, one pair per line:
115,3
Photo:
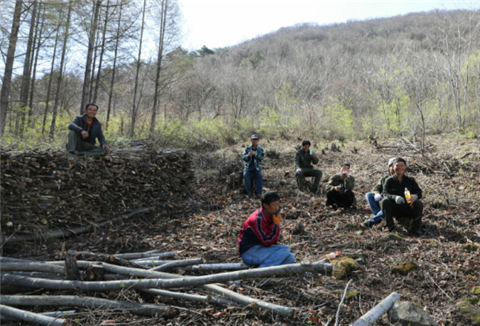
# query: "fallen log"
111,259
32,267
376,312
224,293
176,264
18,314
147,254
216,267
145,309
166,284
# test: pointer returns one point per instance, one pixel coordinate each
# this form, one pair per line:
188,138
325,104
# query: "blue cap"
254,136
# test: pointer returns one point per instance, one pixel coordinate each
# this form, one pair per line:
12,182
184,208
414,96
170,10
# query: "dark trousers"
341,199
307,172
77,146
413,211
248,182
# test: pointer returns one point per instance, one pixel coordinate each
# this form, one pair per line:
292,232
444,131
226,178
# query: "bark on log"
376,312
88,302
32,267
18,314
71,268
179,263
166,284
225,293
111,259
216,267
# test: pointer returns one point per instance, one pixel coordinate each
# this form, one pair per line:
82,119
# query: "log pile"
41,189
48,277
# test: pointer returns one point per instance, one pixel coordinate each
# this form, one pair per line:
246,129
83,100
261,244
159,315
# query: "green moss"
391,237
404,269
476,290
352,294
471,311
343,267
470,247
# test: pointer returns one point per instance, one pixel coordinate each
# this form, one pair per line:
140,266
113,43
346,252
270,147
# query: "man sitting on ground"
304,168
339,188
395,203
84,130
257,241
374,198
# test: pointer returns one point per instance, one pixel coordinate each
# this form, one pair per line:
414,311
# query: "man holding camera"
304,160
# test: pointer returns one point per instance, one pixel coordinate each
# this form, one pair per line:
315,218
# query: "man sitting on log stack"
257,241
402,196
339,188
84,130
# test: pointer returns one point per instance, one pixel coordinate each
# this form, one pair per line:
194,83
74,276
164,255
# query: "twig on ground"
341,302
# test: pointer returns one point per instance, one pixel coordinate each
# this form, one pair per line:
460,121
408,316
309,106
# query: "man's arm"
259,153
350,182
416,189
315,159
388,189
378,189
75,124
245,156
297,160
332,183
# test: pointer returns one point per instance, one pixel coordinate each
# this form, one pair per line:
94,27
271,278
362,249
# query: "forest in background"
415,74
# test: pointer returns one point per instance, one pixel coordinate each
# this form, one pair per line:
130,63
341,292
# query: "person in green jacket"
304,168
339,188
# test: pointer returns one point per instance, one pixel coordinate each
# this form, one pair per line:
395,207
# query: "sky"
222,23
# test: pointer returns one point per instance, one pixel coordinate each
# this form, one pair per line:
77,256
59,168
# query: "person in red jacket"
257,241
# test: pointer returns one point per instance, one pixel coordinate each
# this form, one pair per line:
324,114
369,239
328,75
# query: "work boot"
389,228
368,224
416,232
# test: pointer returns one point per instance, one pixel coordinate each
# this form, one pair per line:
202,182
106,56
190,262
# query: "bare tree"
12,44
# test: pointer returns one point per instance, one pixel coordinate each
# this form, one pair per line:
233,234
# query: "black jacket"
79,124
393,187
304,160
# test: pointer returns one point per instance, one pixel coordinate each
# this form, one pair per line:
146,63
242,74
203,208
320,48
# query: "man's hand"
84,134
251,153
338,188
413,198
277,218
105,146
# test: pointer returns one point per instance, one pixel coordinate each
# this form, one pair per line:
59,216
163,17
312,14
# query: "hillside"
206,225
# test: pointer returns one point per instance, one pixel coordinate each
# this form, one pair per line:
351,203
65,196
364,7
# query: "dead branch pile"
45,189
117,274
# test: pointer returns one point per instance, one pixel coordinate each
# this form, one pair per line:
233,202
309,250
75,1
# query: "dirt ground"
445,259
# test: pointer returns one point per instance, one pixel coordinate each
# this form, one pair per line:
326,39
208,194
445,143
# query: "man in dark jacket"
304,168
84,130
257,241
339,189
396,204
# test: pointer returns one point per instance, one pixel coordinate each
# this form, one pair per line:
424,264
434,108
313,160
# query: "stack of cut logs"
44,188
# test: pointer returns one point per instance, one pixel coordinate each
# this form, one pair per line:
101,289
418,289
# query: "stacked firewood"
44,188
